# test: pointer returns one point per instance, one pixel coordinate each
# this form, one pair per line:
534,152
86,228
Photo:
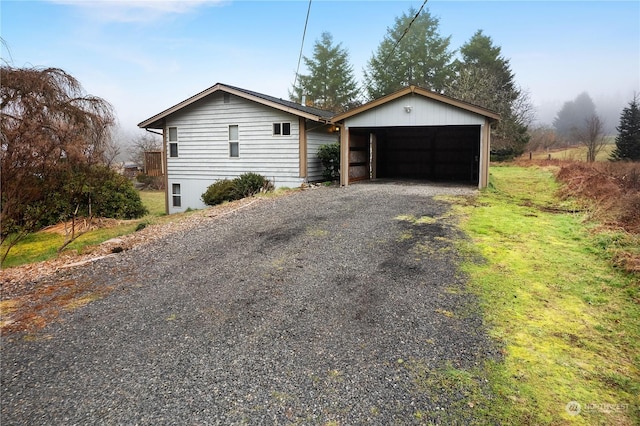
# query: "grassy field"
566,320
577,153
44,245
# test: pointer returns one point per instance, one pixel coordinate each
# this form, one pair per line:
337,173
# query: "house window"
234,150
282,129
227,98
173,141
175,195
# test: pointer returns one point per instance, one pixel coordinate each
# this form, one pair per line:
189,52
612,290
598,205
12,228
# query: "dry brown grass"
611,190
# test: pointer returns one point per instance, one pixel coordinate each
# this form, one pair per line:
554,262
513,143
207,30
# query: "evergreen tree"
330,84
411,53
628,139
483,77
480,53
572,117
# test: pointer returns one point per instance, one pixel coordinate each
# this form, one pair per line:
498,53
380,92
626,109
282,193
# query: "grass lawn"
567,321
42,245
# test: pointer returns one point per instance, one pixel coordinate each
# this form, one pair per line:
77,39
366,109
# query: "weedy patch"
405,235
316,232
446,313
446,390
422,220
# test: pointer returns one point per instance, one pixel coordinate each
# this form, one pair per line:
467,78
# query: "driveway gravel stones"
327,306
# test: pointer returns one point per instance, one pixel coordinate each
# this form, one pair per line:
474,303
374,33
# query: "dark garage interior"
437,153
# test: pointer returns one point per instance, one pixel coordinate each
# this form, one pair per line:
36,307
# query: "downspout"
164,165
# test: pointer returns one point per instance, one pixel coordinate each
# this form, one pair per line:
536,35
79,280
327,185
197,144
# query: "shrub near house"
245,185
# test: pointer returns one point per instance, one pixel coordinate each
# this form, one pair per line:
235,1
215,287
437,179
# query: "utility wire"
406,30
304,33
384,63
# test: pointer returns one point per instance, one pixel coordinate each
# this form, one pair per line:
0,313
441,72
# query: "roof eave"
492,116
156,122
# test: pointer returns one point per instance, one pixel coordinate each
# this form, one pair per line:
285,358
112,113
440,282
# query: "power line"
406,30
384,63
304,33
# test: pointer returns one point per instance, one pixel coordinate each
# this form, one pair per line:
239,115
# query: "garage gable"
414,110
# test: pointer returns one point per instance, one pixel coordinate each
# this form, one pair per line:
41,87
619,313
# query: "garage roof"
491,115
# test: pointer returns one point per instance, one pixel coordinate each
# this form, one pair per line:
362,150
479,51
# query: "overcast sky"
145,56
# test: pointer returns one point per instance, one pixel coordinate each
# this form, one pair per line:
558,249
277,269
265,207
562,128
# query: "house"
225,131
415,133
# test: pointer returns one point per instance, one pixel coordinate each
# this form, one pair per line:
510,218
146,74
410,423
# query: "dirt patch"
34,310
84,224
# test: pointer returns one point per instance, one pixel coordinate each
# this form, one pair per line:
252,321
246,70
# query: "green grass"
567,321
154,201
41,246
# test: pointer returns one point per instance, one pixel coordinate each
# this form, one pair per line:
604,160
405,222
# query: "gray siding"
317,137
423,112
203,146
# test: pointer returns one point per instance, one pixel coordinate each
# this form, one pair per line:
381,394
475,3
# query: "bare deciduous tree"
111,151
544,138
591,135
141,144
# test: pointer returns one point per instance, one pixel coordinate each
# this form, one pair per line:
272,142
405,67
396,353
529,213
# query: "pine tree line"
413,52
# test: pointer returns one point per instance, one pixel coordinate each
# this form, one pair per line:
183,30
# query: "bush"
114,196
504,154
245,185
249,184
219,192
329,156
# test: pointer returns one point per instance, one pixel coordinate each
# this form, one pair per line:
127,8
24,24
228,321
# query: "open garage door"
439,153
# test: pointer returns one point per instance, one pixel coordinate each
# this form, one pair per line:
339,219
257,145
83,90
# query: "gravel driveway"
327,306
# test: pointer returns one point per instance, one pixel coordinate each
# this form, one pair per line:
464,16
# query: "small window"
234,150
173,141
227,98
175,195
173,134
233,133
282,129
173,149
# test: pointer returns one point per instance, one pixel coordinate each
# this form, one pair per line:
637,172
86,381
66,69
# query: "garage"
416,134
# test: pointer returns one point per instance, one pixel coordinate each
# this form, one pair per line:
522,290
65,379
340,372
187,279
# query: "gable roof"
493,116
315,114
